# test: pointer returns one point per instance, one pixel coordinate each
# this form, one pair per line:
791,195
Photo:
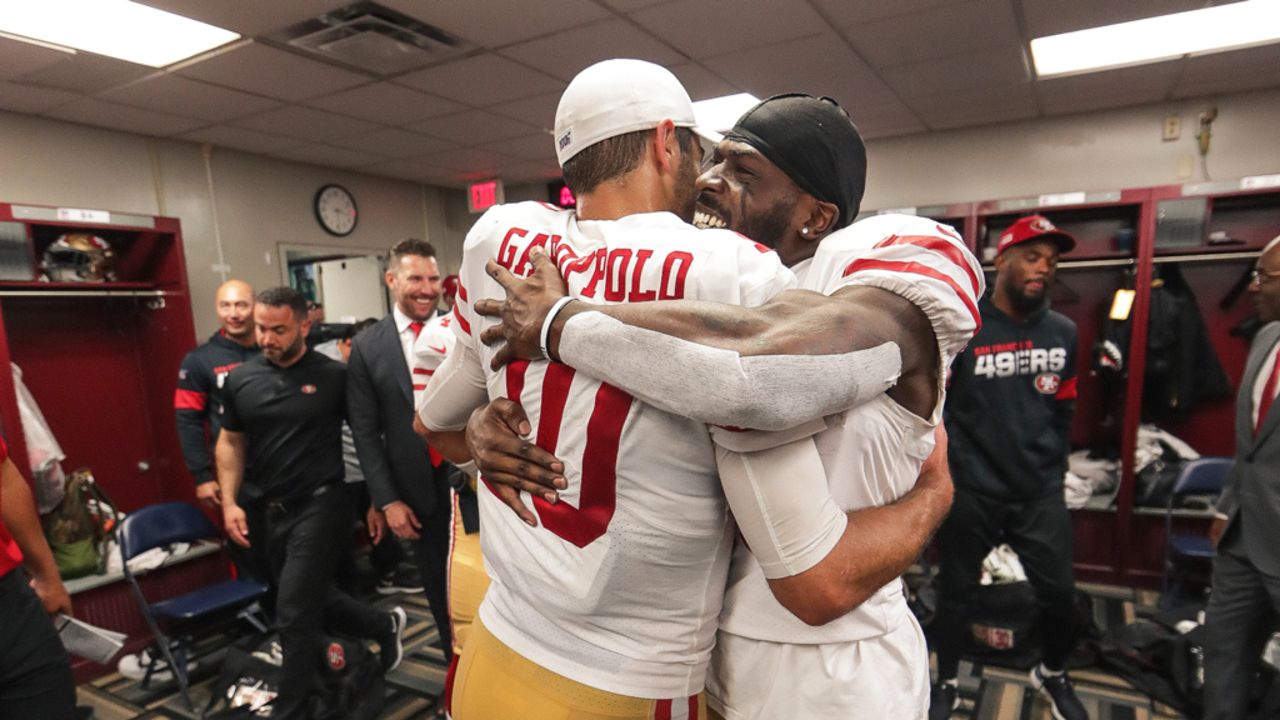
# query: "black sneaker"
1062,697
391,645
400,580
944,699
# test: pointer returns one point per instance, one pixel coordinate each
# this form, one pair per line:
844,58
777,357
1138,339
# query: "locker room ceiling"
482,107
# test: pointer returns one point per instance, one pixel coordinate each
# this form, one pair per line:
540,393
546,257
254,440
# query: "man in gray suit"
403,484
1246,572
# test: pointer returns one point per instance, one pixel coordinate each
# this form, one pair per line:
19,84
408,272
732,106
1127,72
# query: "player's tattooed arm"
800,356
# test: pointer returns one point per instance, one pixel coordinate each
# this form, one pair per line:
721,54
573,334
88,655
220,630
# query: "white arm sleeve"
456,389
720,387
783,506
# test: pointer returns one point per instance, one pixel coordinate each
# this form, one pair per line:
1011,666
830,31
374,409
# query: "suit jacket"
380,411
1252,494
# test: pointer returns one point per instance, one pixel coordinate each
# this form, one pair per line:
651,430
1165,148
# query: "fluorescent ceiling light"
116,28
719,114
1212,29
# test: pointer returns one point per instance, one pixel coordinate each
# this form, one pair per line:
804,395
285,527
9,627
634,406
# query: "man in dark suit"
403,484
1246,572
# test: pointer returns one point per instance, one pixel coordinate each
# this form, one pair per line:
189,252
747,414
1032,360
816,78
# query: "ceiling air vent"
373,38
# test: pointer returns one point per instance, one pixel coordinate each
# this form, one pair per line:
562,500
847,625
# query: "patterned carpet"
411,688
988,692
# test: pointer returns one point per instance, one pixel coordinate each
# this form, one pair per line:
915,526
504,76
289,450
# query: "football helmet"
80,257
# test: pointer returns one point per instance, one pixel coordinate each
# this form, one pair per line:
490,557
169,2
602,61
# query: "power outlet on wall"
1172,129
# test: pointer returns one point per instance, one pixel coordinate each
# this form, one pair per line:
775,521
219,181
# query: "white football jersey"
873,456
429,351
620,586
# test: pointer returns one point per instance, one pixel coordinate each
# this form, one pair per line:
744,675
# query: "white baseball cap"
614,97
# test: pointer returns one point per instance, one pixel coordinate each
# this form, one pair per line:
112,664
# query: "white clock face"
336,210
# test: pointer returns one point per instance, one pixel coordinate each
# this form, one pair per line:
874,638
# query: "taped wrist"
783,506
721,387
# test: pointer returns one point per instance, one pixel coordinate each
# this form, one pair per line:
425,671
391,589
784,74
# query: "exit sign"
483,195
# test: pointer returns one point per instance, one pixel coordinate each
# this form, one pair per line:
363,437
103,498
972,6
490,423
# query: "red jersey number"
598,498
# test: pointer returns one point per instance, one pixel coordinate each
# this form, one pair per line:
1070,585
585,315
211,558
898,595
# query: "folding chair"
196,613
1205,476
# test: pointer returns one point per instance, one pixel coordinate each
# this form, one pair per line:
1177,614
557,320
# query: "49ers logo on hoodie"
1048,383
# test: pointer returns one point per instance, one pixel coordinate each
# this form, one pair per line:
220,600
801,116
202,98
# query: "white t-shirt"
873,456
620,586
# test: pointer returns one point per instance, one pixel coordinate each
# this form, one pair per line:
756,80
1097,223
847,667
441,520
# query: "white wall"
262,202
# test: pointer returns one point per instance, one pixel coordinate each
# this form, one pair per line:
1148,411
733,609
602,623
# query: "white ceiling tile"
1050,17
1107,89
530,147
1233,71
404,169
685,25
248,18
626,6
473,127
306,123
242,139
30,99
844,13
982,106
89,111
495,23
385,103
701,82
482,80
267,71
87,73
390,142
566,53
937,33
18,58
189,98
998,67
468,159
328,156
538,111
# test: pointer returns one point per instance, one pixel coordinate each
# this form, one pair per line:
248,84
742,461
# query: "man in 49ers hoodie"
1008,415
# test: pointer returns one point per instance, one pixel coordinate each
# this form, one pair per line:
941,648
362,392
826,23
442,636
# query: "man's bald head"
1266,284
234,304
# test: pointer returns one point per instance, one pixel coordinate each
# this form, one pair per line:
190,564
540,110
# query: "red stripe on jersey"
555,392
416,386
1067,391
762,247
421,371
189,400
448,685
918,269
693,707
938,245
662,710
462,291
462,322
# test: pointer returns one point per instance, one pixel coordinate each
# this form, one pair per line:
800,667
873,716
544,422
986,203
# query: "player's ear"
823,219
666,146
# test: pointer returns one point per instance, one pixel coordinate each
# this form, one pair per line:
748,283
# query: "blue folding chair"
196,613
1205,476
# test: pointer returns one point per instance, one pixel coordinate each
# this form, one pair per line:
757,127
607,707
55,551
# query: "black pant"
1039,531
35,672
431,552
1242,614
304,541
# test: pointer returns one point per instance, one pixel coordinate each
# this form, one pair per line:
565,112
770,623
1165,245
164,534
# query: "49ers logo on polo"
336,656
308,389
1048,383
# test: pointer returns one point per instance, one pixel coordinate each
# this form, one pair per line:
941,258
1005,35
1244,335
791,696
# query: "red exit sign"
483,195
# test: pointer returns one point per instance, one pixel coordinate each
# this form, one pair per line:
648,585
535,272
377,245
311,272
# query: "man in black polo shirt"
282,413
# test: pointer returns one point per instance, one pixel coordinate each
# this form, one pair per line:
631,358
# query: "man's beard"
770,227
1026,304
290,352
687,193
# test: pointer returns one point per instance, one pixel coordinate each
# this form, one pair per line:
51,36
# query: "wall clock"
336,210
